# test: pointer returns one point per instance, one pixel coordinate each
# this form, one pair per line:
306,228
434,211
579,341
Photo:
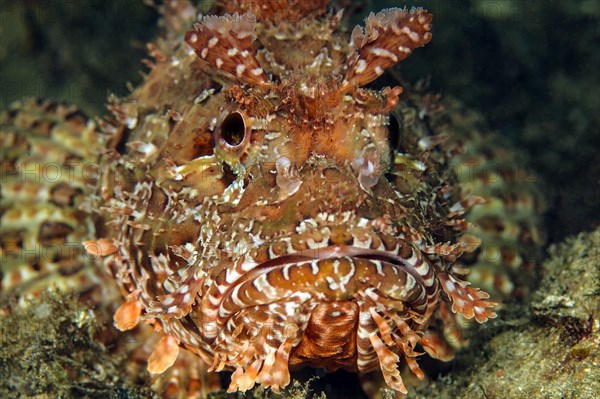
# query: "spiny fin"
467,301
389,37
226,44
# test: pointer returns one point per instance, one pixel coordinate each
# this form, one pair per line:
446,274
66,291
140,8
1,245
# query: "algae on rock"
50,348
547,349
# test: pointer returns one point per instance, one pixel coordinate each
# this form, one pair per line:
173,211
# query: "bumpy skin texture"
247,199
48,168
264,211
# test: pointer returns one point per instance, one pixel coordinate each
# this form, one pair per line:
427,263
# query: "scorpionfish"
264,206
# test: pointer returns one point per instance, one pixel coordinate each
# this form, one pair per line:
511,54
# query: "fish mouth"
334,273
327,307
331,306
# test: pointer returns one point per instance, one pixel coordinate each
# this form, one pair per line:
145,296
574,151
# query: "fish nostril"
368,171
287,179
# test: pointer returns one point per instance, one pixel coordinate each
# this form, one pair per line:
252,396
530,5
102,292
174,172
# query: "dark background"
531,67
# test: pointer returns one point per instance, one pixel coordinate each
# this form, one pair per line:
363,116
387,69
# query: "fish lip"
337,251
328,252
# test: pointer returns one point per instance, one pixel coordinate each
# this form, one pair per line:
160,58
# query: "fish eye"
394,133
232,130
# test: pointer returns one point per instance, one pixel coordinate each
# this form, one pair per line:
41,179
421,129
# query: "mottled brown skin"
245,192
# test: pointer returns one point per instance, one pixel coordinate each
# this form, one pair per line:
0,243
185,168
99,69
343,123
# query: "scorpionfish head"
276,238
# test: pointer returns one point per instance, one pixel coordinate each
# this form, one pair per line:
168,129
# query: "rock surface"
547,349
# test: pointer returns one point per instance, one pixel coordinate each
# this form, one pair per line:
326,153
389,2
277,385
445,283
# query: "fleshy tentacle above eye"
388,38
226,44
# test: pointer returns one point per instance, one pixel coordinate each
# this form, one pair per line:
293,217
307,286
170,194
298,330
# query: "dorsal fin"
226,44
388,38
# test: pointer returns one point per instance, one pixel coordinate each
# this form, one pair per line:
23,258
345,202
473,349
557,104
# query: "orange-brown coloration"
100,247
255,211
127,315
278,141
329,340
164,355
226,44
388,38
278,11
